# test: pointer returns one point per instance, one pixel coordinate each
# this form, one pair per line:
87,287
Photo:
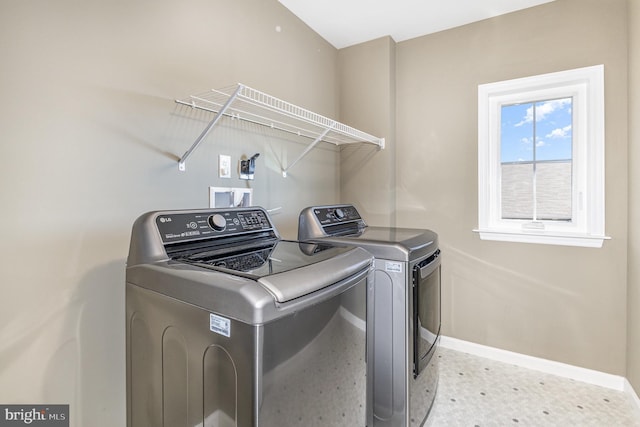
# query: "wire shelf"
244,103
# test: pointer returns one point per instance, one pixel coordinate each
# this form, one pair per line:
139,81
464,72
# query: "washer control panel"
197,225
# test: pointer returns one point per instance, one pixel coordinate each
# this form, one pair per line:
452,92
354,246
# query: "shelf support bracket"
309,148
205,132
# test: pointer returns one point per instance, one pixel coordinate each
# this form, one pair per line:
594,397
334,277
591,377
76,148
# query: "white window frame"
586,87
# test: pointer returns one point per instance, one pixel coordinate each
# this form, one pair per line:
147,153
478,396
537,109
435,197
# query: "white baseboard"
577,373
628,388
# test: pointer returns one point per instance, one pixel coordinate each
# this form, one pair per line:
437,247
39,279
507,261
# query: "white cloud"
540,144
559,132
543,110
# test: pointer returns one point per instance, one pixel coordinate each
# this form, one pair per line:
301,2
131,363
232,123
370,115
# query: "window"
535,160
541,159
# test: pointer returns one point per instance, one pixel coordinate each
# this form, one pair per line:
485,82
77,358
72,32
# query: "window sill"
543,237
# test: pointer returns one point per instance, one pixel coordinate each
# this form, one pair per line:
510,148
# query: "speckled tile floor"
479,392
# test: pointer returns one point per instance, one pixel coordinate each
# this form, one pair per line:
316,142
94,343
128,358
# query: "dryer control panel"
336,214
324,221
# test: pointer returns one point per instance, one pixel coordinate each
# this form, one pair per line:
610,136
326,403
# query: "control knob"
217,222
339,213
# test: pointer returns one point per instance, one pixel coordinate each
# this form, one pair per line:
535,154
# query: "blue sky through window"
553,131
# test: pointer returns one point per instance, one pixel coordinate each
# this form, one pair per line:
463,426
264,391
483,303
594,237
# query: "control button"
339,213
217,222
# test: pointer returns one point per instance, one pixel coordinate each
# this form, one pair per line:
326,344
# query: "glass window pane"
554,137
553,191
517,191
516,137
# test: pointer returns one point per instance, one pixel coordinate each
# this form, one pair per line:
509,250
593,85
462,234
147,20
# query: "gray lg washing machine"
404,333
229,325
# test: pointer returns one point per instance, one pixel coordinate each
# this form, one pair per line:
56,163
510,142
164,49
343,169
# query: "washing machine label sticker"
220,325
393,267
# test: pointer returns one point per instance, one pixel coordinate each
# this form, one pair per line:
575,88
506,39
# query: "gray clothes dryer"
229,325
404,334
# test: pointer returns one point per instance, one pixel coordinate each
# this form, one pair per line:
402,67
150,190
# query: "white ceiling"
347,22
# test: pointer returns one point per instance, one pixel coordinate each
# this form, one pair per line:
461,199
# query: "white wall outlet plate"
224,166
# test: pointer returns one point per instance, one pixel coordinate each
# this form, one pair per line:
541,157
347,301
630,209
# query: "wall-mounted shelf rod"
306,151
205,132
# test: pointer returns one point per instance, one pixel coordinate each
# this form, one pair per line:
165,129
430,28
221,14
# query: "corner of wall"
633,273
366,77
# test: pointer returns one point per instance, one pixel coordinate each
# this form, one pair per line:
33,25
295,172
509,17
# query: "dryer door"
426,310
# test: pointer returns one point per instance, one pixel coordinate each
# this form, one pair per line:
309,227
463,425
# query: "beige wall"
90,139
367,100
560,303
633,303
